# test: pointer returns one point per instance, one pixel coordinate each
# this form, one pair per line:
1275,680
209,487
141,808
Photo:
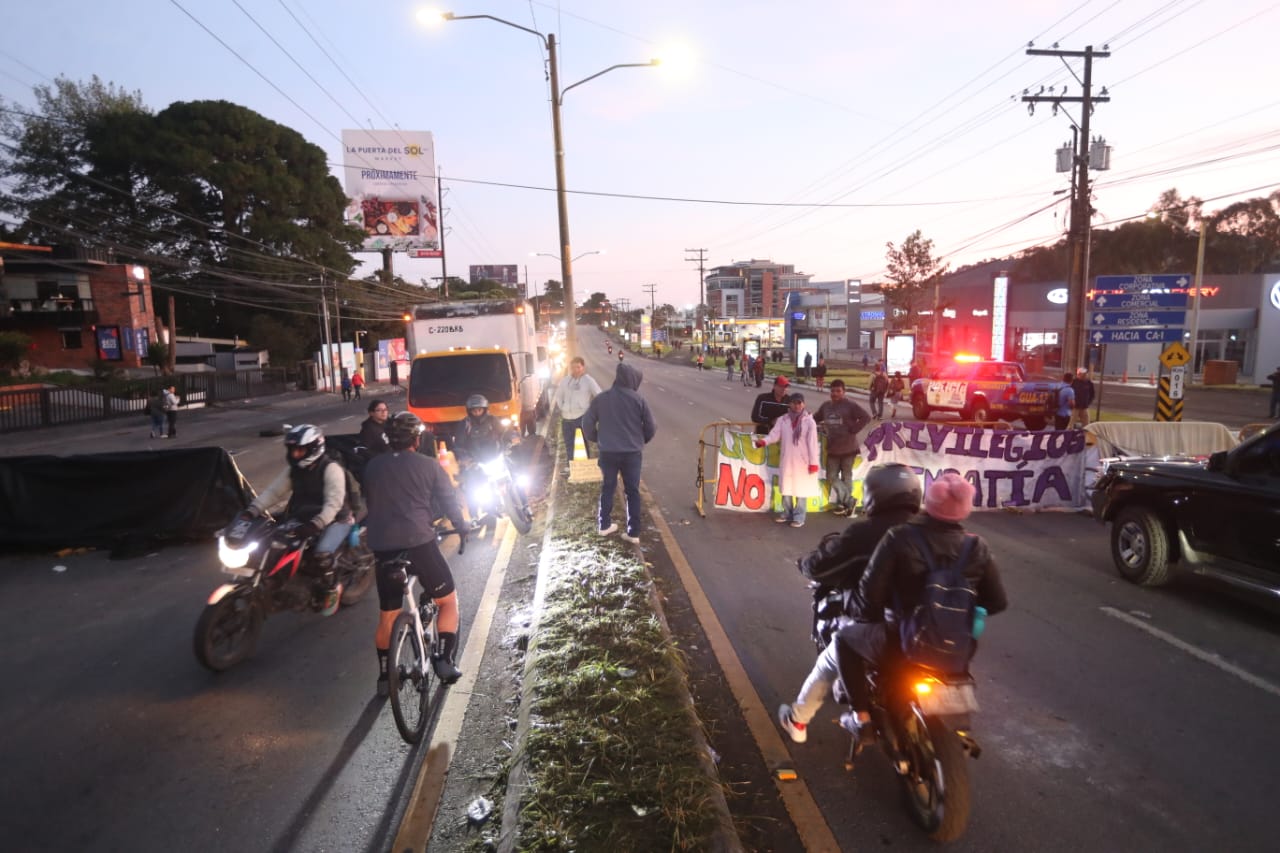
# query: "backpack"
355,497
939,631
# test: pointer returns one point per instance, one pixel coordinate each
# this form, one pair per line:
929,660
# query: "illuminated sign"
999,314
1058,296
1275,296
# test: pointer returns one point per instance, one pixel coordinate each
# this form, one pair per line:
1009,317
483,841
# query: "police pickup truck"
986,391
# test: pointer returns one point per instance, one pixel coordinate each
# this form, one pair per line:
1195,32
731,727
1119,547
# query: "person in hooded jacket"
620,423
892,496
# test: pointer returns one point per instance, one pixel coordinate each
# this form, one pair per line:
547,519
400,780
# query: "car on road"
985,391
1219,517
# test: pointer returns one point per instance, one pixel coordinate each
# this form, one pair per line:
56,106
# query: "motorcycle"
268,562
921,719
494,489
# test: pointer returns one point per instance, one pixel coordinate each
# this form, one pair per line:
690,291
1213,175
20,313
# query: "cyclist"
315,486
406,492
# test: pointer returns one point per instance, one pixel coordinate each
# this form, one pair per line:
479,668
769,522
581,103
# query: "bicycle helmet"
403,429
308,437
477,401
892,486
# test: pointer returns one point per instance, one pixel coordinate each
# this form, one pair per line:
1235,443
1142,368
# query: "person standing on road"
170,407
619,420
808,365
820,371
728,365
357,382
758,369
155,408
373,431
879,387
1274,379
770,405
1066,403
798,466
841,420
896,387
1082,386
573,395
406,492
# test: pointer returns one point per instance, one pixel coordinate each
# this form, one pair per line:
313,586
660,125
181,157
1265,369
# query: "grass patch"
612,760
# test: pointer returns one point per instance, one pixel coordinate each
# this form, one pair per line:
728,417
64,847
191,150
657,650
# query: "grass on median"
612,761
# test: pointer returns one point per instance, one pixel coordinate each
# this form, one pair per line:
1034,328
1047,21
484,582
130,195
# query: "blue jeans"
840,481
628,465
793,509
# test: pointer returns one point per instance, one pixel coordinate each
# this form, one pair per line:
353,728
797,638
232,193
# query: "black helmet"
403,429
891,486
310,438
477,401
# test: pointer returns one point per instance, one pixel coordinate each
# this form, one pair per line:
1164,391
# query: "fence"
35,407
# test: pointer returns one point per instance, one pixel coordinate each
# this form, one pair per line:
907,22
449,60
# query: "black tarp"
127,501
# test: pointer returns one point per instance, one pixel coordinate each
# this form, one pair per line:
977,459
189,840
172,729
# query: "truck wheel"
920,409
1140,546
979,411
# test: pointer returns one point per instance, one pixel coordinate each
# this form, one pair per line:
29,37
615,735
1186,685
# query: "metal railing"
46,406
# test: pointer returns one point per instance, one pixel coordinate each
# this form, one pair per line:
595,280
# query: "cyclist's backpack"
939,631
355,498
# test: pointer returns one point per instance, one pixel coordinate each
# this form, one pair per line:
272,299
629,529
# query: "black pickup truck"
1220,517
985,391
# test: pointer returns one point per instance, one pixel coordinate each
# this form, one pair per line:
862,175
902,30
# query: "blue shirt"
1066,401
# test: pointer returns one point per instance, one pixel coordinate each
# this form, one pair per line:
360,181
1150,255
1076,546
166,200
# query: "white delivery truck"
483,346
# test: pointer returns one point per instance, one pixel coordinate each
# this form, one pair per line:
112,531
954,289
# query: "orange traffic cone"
1152,377
1124,377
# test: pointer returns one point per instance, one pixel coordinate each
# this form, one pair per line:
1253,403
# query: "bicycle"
414,639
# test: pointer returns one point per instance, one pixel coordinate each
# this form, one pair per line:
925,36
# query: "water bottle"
353,540
979,621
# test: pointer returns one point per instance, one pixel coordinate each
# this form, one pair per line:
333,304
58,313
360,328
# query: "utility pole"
702,280
1081,206
444,269
650,289
337,319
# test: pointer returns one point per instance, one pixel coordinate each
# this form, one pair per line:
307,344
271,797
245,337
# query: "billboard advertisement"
503,274
390,179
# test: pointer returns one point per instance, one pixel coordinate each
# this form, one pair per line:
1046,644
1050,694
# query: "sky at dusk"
809,133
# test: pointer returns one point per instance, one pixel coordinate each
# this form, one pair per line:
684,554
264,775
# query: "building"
755,288
78,307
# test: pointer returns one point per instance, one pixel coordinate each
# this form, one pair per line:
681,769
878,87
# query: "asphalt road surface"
1114,718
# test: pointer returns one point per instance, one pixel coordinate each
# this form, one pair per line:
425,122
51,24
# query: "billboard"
503,274
391,183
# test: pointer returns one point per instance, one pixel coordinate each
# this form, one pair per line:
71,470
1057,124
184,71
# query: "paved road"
1106,707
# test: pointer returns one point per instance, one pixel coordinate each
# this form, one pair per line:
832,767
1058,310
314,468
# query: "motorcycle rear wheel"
356,574
936,784
227,632
410,678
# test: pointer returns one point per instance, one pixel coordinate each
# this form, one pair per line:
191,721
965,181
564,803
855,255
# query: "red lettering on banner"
748,490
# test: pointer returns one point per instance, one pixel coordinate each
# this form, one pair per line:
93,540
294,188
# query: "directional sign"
1175,355
1135,336
1142,282
1136,301
1168,407
1177,382
1135,319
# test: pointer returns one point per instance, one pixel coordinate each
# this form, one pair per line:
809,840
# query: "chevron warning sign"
1168,407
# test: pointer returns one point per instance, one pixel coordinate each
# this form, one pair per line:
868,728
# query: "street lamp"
562,208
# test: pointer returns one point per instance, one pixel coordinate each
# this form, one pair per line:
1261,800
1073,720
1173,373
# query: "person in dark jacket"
840,419
373,432
893,585
770,405
1274,379
1083,386
892,495
619,421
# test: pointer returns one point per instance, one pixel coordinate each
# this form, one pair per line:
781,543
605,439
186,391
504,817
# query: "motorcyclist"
406,491
315,487
891,496
481,437
893,585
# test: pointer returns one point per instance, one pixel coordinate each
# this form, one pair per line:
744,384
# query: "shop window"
72,339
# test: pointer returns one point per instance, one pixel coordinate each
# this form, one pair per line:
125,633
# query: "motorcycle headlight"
234,558
482,493
494,468
506,422
523,481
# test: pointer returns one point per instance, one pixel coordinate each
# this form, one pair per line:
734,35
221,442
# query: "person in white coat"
796,434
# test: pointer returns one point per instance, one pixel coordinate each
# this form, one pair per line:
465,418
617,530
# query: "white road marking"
1195,651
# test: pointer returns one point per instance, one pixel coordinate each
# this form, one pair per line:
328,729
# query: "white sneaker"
634,540
609,531
780,519
799,731
797,524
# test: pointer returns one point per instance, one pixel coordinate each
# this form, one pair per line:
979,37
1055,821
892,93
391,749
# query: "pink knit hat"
949,498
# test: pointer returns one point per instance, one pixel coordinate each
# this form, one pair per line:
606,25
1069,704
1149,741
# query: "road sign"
1136,301
1141,282
1177,382
1168,407
1175,355
1135,319
1135,336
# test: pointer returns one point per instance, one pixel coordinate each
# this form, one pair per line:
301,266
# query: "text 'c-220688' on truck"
486,346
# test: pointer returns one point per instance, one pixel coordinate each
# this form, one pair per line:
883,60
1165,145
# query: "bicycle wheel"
408,670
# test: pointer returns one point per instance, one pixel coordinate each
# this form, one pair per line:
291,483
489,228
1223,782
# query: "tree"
913,271
663,314
1247,235
158,356
553,293
13,349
